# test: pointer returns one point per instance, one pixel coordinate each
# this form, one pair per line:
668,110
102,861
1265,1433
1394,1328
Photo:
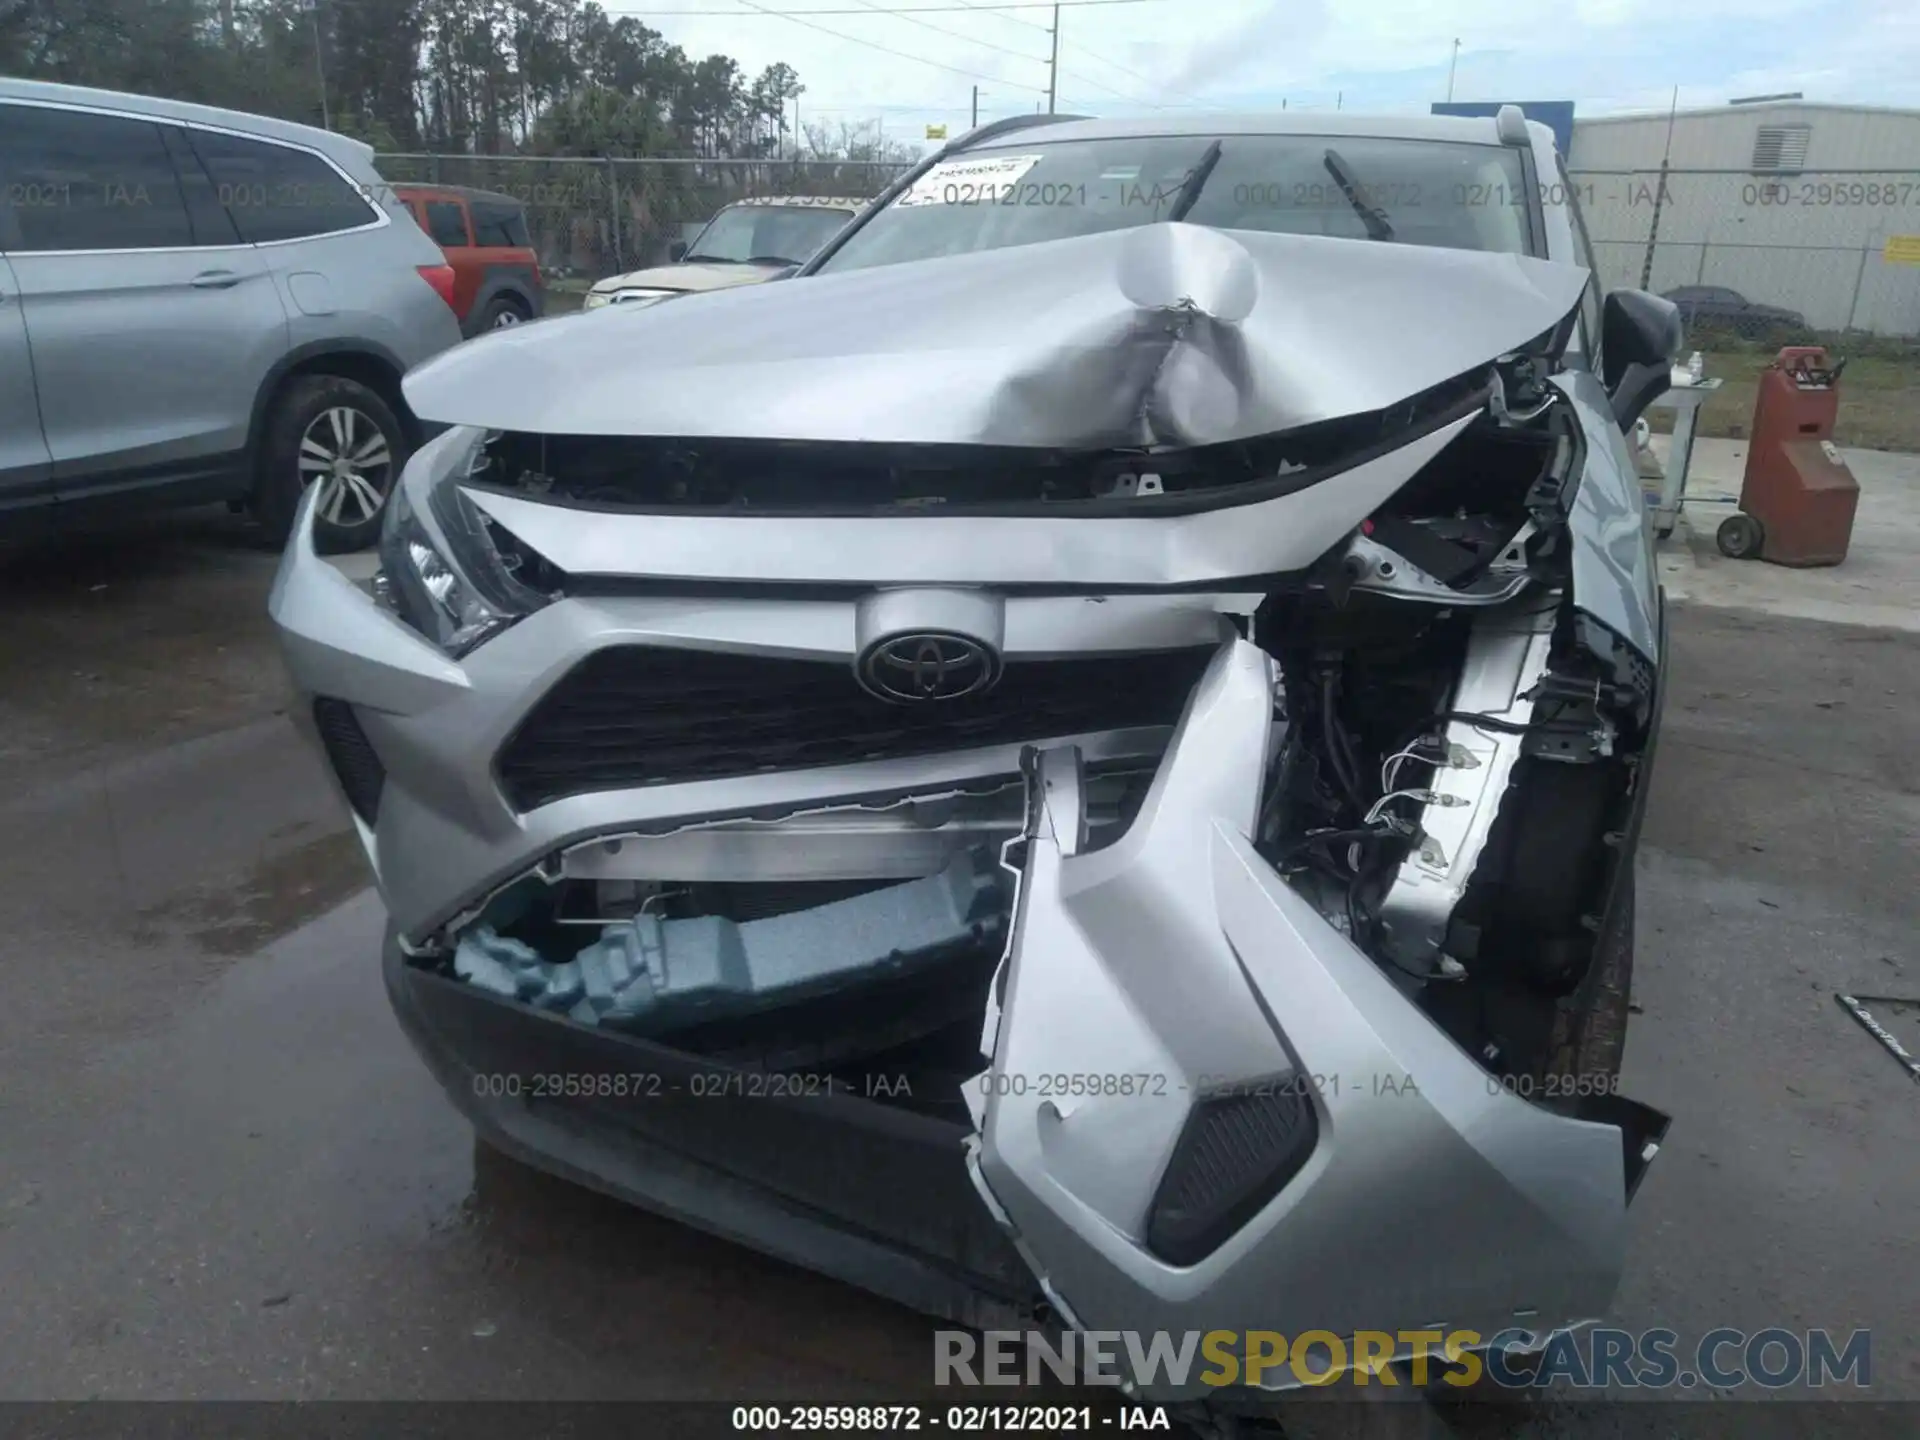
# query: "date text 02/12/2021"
951,1419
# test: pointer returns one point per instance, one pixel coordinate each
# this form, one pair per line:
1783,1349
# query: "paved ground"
1878,585
222,1174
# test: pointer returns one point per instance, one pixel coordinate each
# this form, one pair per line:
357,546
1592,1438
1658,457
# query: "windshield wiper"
1196,179
1371,216
711,259
770,260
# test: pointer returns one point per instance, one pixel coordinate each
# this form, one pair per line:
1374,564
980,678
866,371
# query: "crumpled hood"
1165,334
691,278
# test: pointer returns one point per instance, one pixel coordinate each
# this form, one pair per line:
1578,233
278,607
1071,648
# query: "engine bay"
1457,750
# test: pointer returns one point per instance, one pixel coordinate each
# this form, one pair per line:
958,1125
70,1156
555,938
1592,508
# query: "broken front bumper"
1201,1108
1207,1110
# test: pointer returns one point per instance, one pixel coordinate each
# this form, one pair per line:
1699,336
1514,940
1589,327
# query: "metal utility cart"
1684,399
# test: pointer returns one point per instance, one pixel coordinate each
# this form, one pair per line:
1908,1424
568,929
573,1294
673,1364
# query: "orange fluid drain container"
1798,497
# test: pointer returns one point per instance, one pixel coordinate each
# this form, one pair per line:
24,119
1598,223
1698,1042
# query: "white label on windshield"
979,181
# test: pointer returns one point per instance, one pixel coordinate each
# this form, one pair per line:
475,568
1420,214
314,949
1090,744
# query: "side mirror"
1640,338
677,251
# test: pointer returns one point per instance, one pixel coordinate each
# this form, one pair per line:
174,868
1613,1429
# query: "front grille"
633,715
354,762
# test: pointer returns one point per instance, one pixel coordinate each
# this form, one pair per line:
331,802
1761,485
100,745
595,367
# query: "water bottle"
1696,367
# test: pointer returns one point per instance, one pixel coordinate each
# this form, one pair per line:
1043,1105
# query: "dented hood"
1164,334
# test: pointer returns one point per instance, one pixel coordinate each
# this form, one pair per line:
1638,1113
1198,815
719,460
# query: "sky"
902,72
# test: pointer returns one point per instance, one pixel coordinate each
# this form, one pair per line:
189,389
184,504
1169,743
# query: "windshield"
788,234
1410,192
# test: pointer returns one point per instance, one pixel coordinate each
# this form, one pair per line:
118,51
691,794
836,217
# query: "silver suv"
198,305
1109,715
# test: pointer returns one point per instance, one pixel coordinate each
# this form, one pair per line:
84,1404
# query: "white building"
1786,202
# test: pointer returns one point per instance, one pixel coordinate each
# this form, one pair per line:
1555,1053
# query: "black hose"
1330,736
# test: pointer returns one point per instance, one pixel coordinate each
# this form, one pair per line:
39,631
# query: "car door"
446,221
26,469
151,324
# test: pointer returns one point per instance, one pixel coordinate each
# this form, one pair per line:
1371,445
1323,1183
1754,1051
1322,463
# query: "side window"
76,181
500,225
277,193
447,223
1590,309
212,225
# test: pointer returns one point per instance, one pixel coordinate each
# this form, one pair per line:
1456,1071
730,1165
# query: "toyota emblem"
926,665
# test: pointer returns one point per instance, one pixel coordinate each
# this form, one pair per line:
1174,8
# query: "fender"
363,350
504,279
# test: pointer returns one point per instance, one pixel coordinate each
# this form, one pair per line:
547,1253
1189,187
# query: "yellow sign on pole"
1902,250
936,132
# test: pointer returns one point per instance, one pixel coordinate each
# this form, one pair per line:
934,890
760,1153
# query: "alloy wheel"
347,453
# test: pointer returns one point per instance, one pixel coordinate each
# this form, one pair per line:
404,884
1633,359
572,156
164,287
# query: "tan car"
747,242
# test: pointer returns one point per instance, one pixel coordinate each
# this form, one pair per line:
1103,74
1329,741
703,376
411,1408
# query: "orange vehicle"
496,275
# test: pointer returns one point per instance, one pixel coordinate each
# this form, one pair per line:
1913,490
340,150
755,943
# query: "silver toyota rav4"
1081,757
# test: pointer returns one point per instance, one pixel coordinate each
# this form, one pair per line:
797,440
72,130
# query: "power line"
952,34
888,50
999,11
1143,79
1091,55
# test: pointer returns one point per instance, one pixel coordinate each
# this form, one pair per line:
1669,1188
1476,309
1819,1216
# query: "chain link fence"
1812,245
593,217
1757,261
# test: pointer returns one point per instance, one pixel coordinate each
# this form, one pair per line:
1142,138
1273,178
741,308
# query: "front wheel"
1590,1028
1589,1042
335,433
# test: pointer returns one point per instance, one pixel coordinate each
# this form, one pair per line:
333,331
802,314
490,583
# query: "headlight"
641,297
445,568
595,299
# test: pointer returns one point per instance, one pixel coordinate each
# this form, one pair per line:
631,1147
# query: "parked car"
198,305
745,243
1078,757
1716,307
496,274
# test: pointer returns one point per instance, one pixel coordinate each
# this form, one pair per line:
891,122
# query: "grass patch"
1879,392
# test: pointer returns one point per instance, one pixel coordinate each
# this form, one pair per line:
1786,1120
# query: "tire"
1740,537
315,419
503,312
1589,1039
1590,1026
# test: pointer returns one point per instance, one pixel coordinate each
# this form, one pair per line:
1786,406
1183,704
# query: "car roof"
1459,128
339,147
818,202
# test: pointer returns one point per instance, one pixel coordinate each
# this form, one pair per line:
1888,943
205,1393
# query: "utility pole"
1452,65
1660,196
976,107
798,91
1053,60
319,63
